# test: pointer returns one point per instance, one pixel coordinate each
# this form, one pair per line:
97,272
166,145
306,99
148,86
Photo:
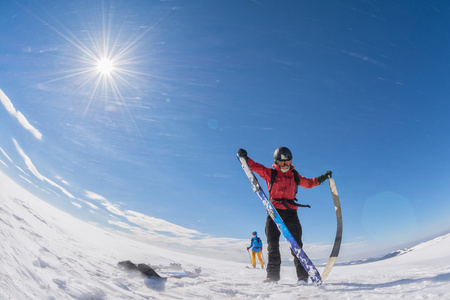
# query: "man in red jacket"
282,184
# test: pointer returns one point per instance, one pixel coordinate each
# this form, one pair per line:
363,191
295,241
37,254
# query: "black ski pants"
290,218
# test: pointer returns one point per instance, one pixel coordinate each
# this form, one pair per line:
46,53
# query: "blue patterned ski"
301,255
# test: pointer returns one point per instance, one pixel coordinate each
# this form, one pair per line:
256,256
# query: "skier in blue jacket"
256,246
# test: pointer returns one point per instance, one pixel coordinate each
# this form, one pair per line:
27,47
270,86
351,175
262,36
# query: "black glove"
324,177
242,153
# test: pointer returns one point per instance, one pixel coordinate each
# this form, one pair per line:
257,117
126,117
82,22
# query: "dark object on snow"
127,266
152,280
147,271
142,268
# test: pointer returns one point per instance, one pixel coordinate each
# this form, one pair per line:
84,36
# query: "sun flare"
105,66
105,61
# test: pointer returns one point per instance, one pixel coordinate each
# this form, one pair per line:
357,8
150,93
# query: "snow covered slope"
48,254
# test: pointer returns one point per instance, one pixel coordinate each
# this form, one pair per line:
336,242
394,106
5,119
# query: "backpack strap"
297,180
273,177
292,202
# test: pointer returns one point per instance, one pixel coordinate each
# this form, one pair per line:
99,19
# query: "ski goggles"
284,163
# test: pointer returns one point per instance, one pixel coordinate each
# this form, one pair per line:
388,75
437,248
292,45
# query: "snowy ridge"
400,252
48,254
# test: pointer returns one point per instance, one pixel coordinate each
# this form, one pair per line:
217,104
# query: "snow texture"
48,254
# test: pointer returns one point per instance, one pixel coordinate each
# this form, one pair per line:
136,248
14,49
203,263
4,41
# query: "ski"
338,239
301,255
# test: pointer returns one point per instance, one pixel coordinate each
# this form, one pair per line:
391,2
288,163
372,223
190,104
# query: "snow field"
47,254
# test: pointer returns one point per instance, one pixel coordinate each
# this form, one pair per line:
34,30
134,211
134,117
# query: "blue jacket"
256,244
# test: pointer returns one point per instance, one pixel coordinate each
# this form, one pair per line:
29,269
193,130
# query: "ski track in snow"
47,254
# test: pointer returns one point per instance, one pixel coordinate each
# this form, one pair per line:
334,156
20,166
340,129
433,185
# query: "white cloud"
36,173
78,205
1,161
59,187
94,196
147,222
62,180
28,161
114,208
6,155
140,223
19,116
159,225
89,204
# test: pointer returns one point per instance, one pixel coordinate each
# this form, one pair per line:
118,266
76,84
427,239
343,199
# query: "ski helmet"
254,232
282,154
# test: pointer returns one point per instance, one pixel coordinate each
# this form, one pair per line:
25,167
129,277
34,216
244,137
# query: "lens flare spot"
212,124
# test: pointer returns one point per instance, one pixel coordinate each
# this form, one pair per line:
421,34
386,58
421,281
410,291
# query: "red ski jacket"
284,185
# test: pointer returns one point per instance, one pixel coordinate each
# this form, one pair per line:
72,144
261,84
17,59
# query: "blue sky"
358,87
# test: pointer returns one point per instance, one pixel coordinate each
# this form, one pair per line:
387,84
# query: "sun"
105,66
105,60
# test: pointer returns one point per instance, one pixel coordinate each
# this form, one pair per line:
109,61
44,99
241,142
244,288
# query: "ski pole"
249,255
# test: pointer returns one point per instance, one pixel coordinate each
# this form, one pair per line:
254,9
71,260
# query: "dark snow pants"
292,222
